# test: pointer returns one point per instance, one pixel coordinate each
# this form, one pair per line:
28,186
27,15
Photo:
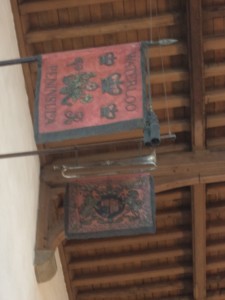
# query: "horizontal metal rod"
18,61
73,148
38,152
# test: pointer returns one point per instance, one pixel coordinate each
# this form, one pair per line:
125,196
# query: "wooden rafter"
115,277
23,52
194,17
214,43
71,292
102,28
43,214
37,6
199,241
144,290
108,244
129,258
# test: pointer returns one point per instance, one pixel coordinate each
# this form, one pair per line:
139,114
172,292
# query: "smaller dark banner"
110,206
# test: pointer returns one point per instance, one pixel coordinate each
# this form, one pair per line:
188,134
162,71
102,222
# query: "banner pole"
17,61
171,137
38,152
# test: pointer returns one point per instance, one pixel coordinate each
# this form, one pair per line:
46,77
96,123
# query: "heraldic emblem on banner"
110,206
90,92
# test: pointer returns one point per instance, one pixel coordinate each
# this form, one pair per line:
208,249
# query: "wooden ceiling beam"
108,244
23,52
214,12
138,257
184,286
216,120
166,183
170,50
71,291
214,70
173,213
215,246
158,77
215,227
216,209
48,5
44,261
163,199
116,277
102,28
175,126
215,189
218,295
195,43
214,96
215,263
214,282
173,101
199,241
214,43
173,148
216,143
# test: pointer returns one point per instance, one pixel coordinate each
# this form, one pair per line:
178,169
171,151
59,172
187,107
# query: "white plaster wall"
19,181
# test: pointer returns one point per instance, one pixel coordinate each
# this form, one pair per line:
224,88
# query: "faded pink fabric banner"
90,92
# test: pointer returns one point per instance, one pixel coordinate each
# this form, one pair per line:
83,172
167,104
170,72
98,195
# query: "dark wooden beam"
174,101
214,43
214,12
23,52
169,76
144,290
111,243
63,257
214,70
215,227
199,241
169,50
215,96
116,277
118,259
42,217
102,28
216,295
216,262
215,246
44,262
48,5
215,283
195,45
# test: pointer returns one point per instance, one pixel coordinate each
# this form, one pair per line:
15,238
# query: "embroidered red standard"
90,92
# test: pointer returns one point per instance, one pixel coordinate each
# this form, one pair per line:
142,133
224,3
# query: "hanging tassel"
152,130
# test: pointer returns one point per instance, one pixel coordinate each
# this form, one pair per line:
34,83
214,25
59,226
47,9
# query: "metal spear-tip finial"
163,42
166,42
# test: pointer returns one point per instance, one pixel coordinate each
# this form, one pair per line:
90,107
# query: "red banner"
90,92
110,206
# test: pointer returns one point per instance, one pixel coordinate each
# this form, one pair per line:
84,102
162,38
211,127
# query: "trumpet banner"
90,92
